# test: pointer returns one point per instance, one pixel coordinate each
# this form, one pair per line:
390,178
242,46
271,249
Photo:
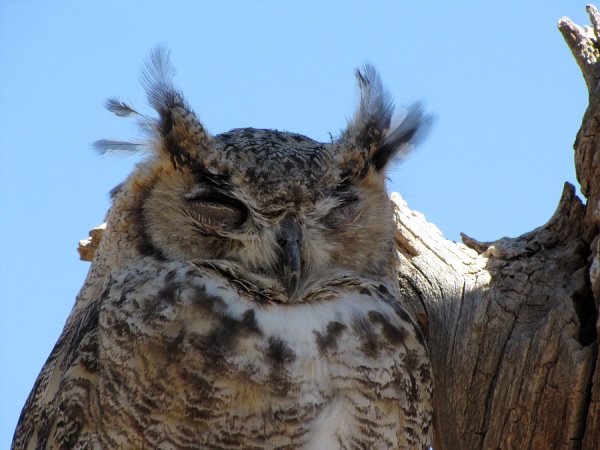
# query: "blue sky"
506,92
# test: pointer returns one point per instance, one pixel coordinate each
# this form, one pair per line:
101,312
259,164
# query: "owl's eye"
215,209
343,215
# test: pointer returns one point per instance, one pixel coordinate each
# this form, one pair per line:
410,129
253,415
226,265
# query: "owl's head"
275,204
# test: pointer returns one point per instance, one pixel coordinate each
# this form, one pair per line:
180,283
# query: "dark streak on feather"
174,347
87,323
328,340
393,334
205,301
370,342
418,332
249,320
279,352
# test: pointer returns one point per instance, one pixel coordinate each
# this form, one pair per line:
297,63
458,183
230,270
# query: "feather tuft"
376,107
119,108
104,146
371,128
157,80
181,135
402,138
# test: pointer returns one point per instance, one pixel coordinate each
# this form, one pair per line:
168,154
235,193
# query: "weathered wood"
513,325
584,45
511,331
87,247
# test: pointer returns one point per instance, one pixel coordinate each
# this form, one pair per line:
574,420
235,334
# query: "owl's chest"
206,357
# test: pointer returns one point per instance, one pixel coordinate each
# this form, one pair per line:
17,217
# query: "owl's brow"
217,180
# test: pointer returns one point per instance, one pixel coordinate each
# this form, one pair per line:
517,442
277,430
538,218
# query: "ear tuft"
180,134
177,134
402,138
157,80
372,118
370,130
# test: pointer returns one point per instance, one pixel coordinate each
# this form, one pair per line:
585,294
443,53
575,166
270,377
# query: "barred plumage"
243,295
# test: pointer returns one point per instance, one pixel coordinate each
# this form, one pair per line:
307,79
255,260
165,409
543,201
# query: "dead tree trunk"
513,324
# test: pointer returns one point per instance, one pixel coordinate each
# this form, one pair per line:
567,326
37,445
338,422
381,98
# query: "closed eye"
216,210
342,215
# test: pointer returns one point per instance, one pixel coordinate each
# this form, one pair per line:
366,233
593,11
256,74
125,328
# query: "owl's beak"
290,260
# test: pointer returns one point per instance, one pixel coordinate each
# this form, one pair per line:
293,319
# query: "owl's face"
279,205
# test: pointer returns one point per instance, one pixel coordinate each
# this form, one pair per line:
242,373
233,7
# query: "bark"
511,331
512,325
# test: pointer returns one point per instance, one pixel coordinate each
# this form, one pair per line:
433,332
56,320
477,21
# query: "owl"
243,295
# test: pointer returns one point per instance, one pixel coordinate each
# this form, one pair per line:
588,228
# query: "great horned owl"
243,295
